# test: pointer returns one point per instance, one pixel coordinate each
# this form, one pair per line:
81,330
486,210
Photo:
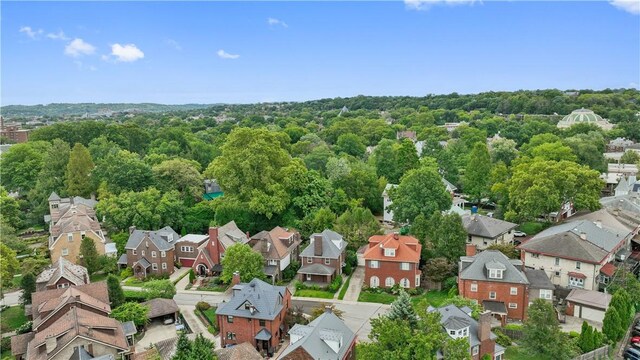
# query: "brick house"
70,221
211,252
254,314
322,260
61,275
483,231
186,248
150,252
278,247
393,258
458,323
496,282
327,337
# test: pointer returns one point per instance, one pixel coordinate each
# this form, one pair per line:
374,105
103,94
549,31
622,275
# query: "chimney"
599,223
583,236
236,278
317,245
396,236
470,250
131,229
484,326
51,344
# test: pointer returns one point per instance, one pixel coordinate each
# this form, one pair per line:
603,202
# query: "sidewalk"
355,284
196,326
176,274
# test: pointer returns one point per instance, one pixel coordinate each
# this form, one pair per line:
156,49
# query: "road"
11,299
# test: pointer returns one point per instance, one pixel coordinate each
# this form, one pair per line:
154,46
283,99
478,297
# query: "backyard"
12,318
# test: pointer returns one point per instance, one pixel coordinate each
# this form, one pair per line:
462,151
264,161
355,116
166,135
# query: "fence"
597,354
512,333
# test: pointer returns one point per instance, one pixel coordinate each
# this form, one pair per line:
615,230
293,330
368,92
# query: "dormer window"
458,333
495,273
390,252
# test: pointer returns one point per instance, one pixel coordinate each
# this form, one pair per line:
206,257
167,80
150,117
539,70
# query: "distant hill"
62,109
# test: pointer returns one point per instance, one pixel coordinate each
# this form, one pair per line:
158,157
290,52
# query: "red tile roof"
608,269
407,248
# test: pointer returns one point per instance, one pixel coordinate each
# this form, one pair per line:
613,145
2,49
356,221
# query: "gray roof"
270,269
54,196
161,307
564,241
164,239
496,307
623,185
229,234
594,299
123,259
79,353
456,323
256,300
484,226
332,245
314,337
63,268
129,328
143,262
475,267
316,269
538,279
449,311
626,202
263,334
449,185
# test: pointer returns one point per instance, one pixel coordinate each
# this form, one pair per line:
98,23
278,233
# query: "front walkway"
196,326
355,284
178,272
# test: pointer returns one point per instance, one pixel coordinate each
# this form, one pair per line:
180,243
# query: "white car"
519,234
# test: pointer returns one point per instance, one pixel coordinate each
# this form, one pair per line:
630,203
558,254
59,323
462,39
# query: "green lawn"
98,277
6,355
345,286
12,318
382,298
532,227
435,298
210,314
133,281
517,353
314,294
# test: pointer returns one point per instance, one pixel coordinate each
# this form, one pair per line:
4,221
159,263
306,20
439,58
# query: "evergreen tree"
586,339
183,348
89,256
78,175
542,334
116,294
402,310
28,285
612,326
622,302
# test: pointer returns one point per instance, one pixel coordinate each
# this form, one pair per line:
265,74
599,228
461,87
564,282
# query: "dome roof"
583,116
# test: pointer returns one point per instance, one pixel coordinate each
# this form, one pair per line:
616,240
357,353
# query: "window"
498,357
142,252
374,264
273,262
495,273
69,237
263,323
469,239
83,234
545,294
557,261
513,305
404,282
514,291
231,336
452,332
578,265
63,286
557,273
309,260
492,295
417,280
154,254
327,261
229,319
474,287
576,282
164,266
535,256
65,252
154,266
475,350
390,252
163,254
405,266
389,282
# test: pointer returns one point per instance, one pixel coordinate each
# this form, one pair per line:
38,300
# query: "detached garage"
588,304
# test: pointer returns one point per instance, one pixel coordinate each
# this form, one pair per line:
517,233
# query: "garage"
588,304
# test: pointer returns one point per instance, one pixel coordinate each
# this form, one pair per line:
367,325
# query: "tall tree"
181,175
123,171
51,178
132,311
406,157
116,294
154,289
357,225
612,325
384,159
9,264
503,150
10,209
542,334
447,236
476,173
317,221
402,310
351,144
79,168
457,349
28,286
241,258
89,256
21,164
421,191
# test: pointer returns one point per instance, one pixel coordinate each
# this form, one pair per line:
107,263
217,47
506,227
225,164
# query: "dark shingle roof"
449,311
477,269
244,351
161,307
332,245
316,269
256,300
484,226
164,239
538,279
456,323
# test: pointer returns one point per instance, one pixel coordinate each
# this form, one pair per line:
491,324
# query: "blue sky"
210,52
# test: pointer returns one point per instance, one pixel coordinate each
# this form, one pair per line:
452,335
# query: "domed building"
585,116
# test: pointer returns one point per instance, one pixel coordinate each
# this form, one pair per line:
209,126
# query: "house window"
576,282
309,260
374,282
469,239
70,237
495,273
142,252
83,234
557,273
389,282
452,332
374,264
475,350
474,287
498,357
273,262
164,266
557,261
231,336
492,295
514,291
327,261
63,286
229,319
513,305
578,265
390,252
417,280
263,323
154,266
405,266
65,252
154,254
545,294
308,277
163,254
404,282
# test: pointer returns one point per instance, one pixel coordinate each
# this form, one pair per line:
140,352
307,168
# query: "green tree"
508,249
587,339
447,236
612,325
154,289
621,300
123,171
9,264
457,349
10,209
181,175
89,256
357,225
629,157
503,150
183,347
351,144
116,294
384,159
555,151
317,221
476,173
241,258
132,311
322,308
421,191
28,286
198,217
542,334
79,168
402,310
21,164
406,157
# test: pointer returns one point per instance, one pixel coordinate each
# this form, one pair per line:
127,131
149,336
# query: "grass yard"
314,294
381,298
98,277
12,318
518,353
6,355
532,227
210,314
344,288
133,281
435,298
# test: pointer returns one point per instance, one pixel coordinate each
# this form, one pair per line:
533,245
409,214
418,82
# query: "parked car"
519,234
632,354
635,332
635,339
168,321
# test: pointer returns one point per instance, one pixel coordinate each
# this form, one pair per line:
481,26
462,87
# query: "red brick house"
494,281
323,259
392,259
150,252
186,248
254,314
211,252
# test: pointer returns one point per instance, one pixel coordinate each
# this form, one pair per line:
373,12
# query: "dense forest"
317,164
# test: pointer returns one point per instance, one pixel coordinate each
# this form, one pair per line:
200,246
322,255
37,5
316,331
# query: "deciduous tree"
8,264
181,175
357,225
241,258
476,173
421,191
79,168
132,311
542,334
155,289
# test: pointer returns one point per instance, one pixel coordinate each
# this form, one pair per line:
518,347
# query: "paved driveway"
156,332
355,284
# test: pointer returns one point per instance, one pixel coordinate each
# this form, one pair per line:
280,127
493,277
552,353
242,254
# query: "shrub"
574,334
24,328
503,339
5,344
177,265
449,283
202,306
335,284
348,269
192,276
125,273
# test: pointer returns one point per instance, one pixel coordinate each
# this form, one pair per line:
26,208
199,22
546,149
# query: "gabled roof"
316,337
484,226
256,300
54,196
538,279
244,351
164,239
623,185
477,269
161,307
456,323
76,274
97,290
229,234
407,248
332,245
594,299
274,244
446,312
20,342
70,296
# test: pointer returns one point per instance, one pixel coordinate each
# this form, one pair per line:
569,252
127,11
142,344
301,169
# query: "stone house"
278,247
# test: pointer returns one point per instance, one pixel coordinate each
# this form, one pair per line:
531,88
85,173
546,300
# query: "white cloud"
630,6
225,55
427,4
32,33
59,36
174,44
126,53
273,22
78,47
